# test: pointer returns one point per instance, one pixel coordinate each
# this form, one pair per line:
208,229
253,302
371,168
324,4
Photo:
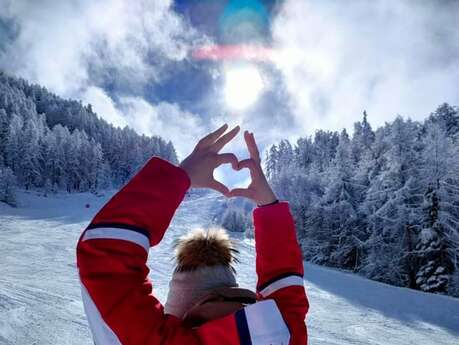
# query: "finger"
218,145
252,166
252,146
249,164
224,158
219,187
210,138
241,192
256,152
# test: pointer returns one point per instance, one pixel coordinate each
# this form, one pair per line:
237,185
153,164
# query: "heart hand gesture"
204,159
259,190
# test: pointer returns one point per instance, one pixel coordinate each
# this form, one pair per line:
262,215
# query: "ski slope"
40,295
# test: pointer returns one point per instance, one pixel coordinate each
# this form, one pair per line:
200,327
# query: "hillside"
57,144
40,299
383,202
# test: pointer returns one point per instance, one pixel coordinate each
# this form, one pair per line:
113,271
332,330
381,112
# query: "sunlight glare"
243,86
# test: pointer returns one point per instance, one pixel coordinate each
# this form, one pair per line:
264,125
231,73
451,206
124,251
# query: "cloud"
105,53
167,120
388,57
164,119
334,60
68,45
102,104
42,53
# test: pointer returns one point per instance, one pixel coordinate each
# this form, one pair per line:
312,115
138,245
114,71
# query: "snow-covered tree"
4,128
363,202
272,163
234,220
14,143
391,198
436,265
7,186
340,205
29,164
438,239
44,137
447,118
362,139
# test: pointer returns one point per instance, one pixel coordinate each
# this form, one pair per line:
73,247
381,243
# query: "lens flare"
243,85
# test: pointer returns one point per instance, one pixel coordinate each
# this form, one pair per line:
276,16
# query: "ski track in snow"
40,294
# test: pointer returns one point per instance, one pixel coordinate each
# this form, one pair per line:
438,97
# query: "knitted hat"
204,263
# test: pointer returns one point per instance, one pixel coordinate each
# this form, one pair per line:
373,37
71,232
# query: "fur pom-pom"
201,248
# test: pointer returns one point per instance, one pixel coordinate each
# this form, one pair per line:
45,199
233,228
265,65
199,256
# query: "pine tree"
4,128
325,144
234,220
433,275
362,139
440,223
304,153
29,169
340,206
272,162
48,187
14,142
7,186
390,200
447,117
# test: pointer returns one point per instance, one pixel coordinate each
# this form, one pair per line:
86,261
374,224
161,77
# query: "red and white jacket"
117,295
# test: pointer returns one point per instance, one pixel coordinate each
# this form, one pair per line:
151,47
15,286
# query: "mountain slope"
40,296
53,143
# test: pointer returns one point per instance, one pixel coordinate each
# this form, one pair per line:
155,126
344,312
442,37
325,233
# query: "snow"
427,235
40,300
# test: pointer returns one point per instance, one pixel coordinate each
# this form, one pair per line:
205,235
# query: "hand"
201,163
259,189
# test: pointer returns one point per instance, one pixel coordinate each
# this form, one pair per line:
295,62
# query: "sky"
282,69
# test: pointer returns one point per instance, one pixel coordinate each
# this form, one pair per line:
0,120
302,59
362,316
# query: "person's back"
204,305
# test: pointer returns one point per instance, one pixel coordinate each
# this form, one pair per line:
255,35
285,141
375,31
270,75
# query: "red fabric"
278,253
149,200
275,236
222,332
114,272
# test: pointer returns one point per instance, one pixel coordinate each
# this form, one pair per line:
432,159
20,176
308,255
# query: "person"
112,253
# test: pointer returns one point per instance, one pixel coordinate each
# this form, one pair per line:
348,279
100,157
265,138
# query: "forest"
383,203
55,144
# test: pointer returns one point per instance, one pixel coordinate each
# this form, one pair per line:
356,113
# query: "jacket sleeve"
111,258
279,266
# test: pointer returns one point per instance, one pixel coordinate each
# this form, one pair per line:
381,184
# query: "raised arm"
112,255
112,251
279,261
280,266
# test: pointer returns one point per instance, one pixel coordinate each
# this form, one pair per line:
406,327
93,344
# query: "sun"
243,86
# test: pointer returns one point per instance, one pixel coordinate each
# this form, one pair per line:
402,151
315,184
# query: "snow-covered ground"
40,295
